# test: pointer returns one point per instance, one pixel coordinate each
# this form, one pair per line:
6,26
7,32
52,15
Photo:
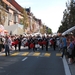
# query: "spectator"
69,50
64,42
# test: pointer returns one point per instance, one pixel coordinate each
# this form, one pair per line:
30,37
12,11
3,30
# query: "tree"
72,13
49,31
44,29
24,20
68,17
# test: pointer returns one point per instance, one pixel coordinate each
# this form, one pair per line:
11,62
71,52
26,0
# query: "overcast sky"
49,11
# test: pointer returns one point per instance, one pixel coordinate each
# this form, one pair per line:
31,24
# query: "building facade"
14,16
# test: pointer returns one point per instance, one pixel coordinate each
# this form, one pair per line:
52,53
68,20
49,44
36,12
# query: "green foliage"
68,17
24,20
49,31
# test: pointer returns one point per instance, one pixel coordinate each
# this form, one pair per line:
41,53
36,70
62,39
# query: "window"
15,18
10,17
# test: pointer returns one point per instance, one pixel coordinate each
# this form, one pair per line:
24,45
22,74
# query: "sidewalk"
72,68
69,68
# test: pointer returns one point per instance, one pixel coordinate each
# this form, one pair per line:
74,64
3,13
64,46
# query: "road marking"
2,54
58,54
24,59
14,54
40,54
47,54
25,54
36,54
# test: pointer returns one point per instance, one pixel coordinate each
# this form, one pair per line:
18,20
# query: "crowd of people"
32,42
65,44
67,47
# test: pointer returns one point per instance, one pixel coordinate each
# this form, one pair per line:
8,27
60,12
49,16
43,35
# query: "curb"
66,67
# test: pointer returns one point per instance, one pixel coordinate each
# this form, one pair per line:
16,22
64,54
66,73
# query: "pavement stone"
72,68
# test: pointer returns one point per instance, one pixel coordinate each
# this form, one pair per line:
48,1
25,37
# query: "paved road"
27,62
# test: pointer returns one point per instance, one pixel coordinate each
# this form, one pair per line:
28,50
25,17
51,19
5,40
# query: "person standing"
1,43
54,43
19,42
47,42
43,42
7,45
69,50
64,42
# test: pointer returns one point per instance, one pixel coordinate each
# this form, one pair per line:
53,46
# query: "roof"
16,5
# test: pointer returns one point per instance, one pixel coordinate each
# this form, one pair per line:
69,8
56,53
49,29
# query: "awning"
69,30
14,29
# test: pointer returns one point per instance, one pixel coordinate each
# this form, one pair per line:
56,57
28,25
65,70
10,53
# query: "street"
27,62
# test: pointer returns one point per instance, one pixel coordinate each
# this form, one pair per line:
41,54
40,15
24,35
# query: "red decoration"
44,42
13,43
31,45
52,42
27,44
40,43
16,42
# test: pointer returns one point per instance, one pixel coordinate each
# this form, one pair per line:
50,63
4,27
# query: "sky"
49,11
